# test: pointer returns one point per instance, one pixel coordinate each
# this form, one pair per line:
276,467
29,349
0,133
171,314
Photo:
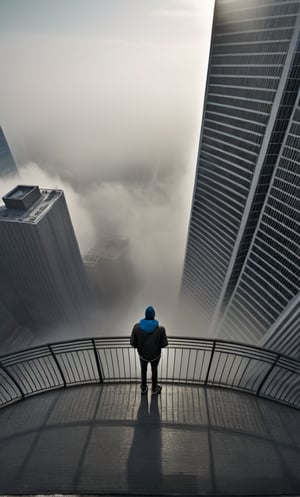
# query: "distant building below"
8,166
110,270
43,279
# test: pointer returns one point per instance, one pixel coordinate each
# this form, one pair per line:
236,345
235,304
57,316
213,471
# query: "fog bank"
115,124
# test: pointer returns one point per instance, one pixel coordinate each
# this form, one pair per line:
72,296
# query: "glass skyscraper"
242,252
7,163
42,271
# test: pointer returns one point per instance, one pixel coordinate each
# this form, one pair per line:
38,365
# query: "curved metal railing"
187,360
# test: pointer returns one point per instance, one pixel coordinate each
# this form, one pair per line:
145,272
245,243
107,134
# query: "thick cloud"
151,217
114,124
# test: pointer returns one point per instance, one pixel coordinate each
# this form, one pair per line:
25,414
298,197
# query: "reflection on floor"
110,439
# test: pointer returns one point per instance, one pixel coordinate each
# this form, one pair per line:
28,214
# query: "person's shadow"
144,472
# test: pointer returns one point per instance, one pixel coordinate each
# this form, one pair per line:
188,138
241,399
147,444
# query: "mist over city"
105,104
149,247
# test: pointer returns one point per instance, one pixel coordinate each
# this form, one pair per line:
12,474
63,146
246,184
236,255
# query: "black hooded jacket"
148,343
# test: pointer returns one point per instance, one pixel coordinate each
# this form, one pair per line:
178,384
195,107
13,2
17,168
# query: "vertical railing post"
13,380
58,365
210,362
267,375
97,361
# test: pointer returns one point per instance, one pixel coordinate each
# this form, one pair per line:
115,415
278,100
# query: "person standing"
149,338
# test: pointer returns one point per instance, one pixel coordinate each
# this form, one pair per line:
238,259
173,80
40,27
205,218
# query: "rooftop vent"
22,197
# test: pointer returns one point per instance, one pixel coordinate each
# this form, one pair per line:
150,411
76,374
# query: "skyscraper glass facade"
251,93
270,279
7,163
40,261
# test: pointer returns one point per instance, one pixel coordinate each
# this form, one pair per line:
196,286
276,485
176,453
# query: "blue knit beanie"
150,313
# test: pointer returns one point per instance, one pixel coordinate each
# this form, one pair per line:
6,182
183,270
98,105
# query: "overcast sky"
103,98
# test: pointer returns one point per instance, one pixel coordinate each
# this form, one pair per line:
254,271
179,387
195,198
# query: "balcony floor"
111,440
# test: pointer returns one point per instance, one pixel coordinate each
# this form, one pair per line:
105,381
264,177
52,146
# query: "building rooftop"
110,248
27,204
109,440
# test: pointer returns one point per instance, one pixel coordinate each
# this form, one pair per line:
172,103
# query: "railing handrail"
170,338
202,361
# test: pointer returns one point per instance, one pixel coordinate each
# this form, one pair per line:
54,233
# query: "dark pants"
144,366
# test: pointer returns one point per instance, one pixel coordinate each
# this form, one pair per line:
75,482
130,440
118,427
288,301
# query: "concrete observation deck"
109,440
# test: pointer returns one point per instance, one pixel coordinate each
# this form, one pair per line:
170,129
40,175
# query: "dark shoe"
144,389
156,390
